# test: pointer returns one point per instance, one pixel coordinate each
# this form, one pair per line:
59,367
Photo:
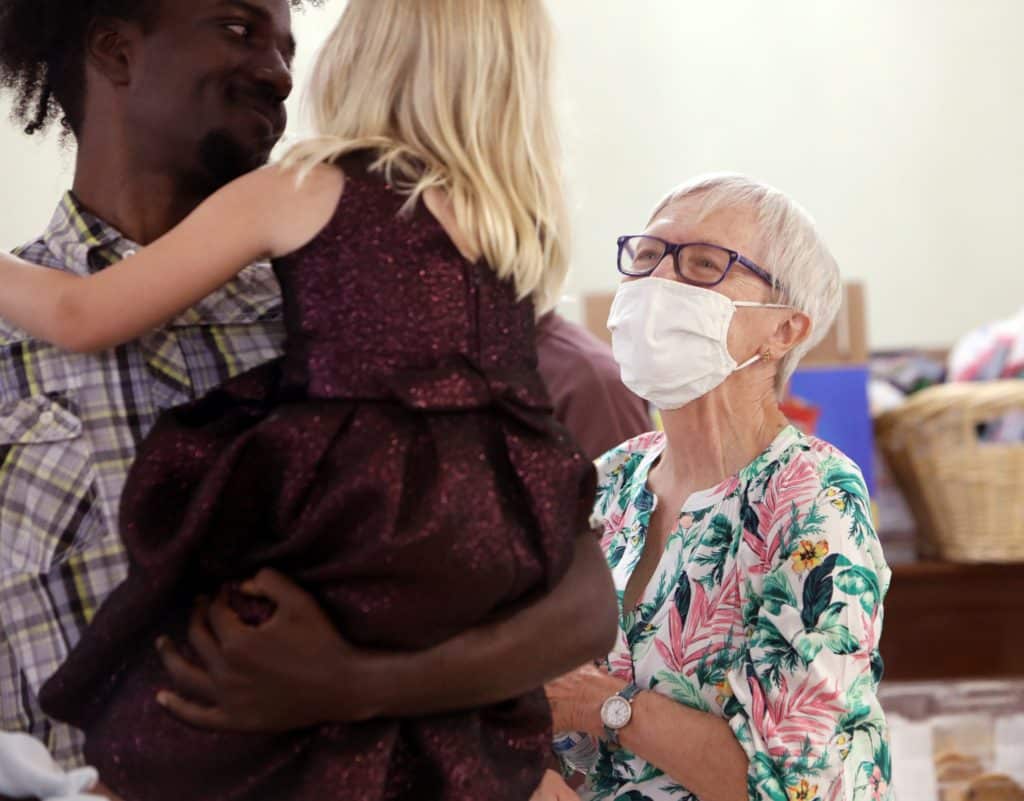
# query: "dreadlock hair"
42,54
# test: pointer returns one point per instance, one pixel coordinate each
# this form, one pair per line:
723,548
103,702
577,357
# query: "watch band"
627,693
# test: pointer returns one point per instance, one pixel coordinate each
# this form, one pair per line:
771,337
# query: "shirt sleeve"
804,704
601,414
9,709
588,396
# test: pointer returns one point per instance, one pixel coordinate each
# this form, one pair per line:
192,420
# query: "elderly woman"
749,575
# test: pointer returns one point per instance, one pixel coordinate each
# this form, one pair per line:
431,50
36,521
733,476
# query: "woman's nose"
666,268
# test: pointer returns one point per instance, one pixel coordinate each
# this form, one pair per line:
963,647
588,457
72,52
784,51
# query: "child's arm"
261,215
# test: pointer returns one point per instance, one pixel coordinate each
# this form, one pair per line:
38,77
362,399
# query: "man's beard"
222,159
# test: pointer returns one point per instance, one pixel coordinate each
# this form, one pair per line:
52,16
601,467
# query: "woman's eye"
239,29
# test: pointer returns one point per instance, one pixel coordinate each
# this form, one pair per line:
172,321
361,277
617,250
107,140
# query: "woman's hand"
553,788
576,699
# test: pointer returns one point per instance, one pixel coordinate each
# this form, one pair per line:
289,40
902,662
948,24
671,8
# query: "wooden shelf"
953,621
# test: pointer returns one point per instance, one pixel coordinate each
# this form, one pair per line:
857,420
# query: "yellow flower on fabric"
837,500
809,555
802,792
724,691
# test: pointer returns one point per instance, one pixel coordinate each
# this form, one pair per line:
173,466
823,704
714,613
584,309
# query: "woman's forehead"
688,220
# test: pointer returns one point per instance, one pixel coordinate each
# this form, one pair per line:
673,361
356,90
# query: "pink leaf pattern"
621,666
614,525
709,624
797,484
727,487
804,711
672,651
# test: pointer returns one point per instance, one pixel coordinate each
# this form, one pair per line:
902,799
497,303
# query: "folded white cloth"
1009,753
913,765
28,771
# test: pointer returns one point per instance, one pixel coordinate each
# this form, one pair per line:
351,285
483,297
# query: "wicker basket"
966,494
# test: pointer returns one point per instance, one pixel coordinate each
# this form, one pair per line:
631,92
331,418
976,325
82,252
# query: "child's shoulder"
300,181
290,204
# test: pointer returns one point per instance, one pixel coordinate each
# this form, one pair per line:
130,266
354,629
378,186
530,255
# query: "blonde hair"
453,95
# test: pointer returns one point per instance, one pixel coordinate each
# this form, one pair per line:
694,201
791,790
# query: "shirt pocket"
48,484
214,354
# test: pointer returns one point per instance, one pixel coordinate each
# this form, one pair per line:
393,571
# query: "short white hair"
805,271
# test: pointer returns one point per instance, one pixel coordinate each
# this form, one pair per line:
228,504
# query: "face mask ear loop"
752,360
749,304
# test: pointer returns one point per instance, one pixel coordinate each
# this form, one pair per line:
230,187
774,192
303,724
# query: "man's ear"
789,333
110,48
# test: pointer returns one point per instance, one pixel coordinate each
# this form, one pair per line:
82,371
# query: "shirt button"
46,418
129,252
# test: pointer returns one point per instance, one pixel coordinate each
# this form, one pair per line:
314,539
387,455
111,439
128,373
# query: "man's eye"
239,29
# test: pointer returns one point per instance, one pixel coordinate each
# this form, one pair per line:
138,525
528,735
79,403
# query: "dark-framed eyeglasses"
699,263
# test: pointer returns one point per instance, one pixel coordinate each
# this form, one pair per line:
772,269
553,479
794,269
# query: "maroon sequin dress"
401,463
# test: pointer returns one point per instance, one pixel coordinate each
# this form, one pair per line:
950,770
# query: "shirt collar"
81,241
787,438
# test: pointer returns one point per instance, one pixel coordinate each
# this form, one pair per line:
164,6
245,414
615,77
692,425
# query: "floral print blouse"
765,609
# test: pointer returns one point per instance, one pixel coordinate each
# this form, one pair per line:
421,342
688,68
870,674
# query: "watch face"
616,712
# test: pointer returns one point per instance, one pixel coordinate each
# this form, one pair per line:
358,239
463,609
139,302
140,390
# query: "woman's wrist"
588,711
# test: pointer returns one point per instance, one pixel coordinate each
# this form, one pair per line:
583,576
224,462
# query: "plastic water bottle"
578,750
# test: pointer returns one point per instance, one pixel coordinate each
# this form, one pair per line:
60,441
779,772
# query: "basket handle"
987,401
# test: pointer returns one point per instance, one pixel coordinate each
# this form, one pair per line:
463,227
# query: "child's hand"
553,788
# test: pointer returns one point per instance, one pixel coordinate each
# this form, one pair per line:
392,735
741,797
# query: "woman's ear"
788,334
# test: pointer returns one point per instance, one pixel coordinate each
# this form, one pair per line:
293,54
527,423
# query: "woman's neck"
716,436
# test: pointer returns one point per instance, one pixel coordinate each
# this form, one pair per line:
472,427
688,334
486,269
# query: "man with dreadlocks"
167,100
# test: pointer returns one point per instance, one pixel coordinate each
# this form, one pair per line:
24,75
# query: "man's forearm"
574,623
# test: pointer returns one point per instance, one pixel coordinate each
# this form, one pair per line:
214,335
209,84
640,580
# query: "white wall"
898,123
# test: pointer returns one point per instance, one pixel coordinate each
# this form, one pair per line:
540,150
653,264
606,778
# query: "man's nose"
275,73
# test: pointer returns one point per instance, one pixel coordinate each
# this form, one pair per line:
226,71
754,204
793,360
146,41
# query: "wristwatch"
617,711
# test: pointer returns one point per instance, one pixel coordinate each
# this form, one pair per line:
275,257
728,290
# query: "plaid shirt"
69,427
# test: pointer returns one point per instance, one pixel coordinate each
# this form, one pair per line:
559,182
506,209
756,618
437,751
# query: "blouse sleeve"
804,704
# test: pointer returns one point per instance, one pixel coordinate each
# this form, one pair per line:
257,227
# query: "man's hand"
295,670
553,788
267,678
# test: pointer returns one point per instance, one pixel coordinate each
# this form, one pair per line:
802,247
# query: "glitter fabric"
400,462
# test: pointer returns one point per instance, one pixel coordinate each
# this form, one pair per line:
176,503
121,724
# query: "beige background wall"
898,123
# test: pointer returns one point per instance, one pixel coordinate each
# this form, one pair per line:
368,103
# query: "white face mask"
671,339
